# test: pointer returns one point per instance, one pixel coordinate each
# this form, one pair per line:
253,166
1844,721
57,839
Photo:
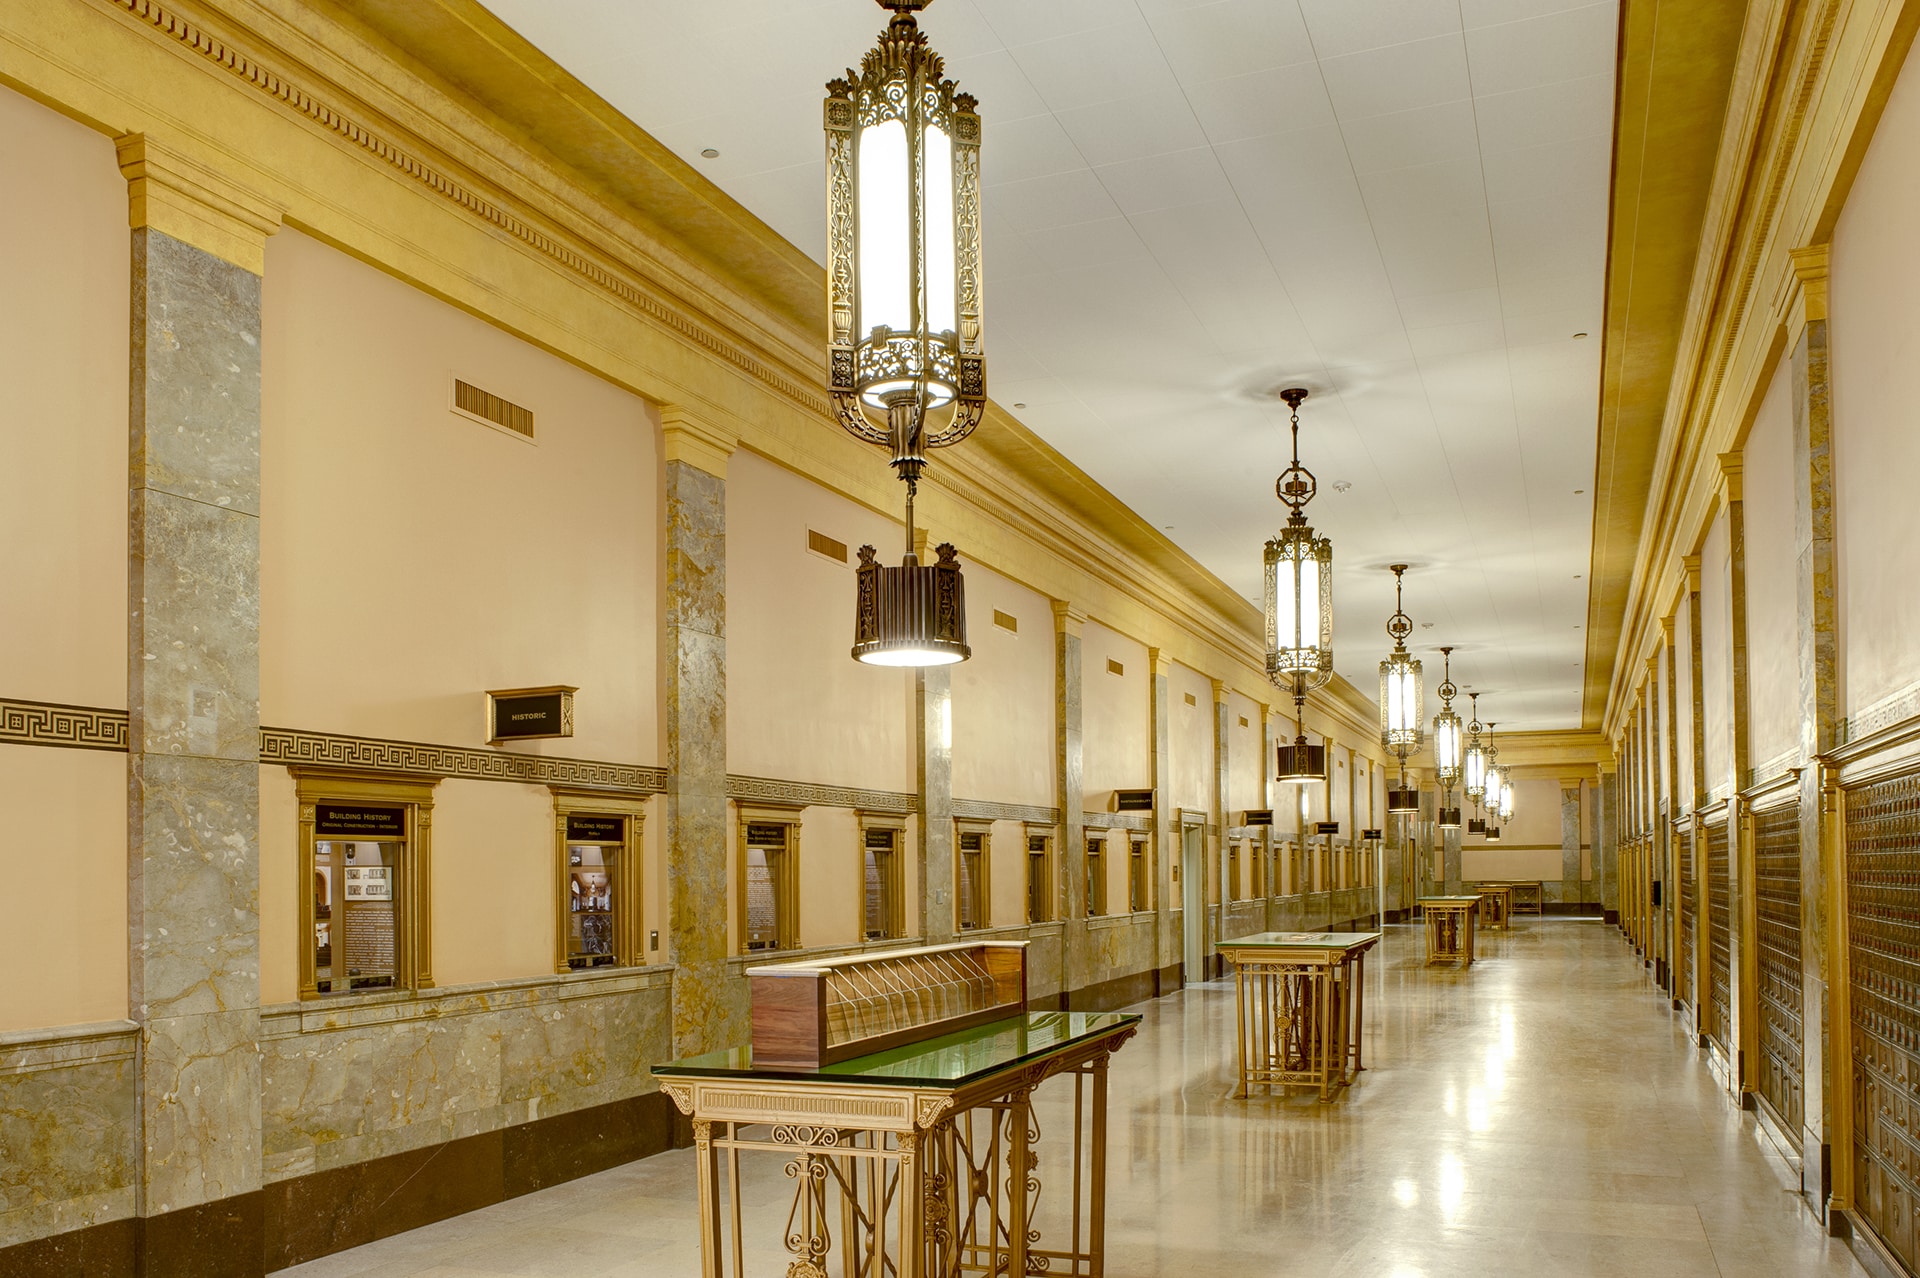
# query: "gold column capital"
1666,629
1690,568
1068,618
1811,267
695,441
190,199
1732,465
1222,694
1162,664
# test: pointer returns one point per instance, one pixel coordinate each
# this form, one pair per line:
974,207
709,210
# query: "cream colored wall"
1007,878
790,610
1246,757
412,558
1773,656
1343,774
1716,651
492,881
280,887
63,857
1875,332
1116,716
1190,738
1500,862
64,268
1003,698
1529,846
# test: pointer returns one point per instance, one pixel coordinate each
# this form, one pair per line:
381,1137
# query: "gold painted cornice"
190,199
686,438
1068,619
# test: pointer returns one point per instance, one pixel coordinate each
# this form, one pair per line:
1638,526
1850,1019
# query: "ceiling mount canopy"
1299,590
906,366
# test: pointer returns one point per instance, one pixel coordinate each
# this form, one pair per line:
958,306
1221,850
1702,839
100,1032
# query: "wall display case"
598,877
364,844
818,1012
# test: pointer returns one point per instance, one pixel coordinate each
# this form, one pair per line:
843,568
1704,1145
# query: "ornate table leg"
1247,1018
1359,977
1097,1214
707,1175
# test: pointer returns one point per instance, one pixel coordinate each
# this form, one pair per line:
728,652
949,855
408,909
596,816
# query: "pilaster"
1166,829
933,765
1816,587
1696,725
1572,891
1222,744
1069,784
193,694
693,674
1606,845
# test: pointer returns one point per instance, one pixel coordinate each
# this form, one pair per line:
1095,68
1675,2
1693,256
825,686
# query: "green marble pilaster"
1166,830
1449,859
193,694
933,759
1606,845
1572,890
1222,742
1818,635
1696,725
693,672
1070,892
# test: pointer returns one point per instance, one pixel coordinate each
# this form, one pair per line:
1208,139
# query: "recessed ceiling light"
1019,405
1578,336
1426,625
1341,485
1576,576
1579,492
1168,527
710,154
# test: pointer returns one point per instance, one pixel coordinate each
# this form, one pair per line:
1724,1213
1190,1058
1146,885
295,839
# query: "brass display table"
1300,997
1449,927
1496,905
1529,895
901,1159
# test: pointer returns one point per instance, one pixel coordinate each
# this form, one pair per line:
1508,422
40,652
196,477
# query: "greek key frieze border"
372,754
665,311
806,794
987,810
48,723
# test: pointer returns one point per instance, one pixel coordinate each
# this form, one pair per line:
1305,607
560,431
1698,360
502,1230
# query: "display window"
364,853
1096,872
971,862
600,870
1039,878
883,894
1138,897
769,881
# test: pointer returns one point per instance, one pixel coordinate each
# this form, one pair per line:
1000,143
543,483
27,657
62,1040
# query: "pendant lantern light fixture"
1473,760
1299,590
906,367
1447,745
1494,779
1401,701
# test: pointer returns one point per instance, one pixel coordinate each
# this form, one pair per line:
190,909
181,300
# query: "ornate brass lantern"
1401,701
905,361
1299,588
1473,763
1447,745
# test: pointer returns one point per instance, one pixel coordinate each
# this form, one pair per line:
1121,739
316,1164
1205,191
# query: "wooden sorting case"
816,1012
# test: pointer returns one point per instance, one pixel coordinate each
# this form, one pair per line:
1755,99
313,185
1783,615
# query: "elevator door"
1193,901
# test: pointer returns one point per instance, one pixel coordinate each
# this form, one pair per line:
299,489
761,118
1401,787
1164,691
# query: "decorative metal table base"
1300,1002
907,1182
1449,927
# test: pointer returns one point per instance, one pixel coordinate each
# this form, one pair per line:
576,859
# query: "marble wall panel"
345,1083
67,1130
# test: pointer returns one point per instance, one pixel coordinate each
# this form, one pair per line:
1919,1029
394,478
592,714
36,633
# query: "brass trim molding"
806,794
48,723
372,754
987,810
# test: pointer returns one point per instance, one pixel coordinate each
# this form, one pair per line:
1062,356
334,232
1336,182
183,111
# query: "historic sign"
526,714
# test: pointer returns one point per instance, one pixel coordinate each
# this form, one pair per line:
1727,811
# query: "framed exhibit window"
1096,872
365,844
769,879
598,876
1138,897
971,887
882,878
1233,869
1039,877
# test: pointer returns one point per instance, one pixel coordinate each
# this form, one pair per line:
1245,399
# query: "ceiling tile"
1018,22
1556,112
1399,77
1147,124
1019,150
1231,38
1344,26
1580,167
1180,179
1570,45
1059,200
1108,65
1275,101
1485,13
1426,188
1400,139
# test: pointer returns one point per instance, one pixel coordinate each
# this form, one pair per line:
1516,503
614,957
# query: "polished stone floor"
1540,1114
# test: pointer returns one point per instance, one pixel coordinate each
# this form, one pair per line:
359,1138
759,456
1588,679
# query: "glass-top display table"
1496,905
1450,927
905,1162
1300,998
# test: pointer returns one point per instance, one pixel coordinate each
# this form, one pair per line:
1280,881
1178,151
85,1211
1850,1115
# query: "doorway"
1193,901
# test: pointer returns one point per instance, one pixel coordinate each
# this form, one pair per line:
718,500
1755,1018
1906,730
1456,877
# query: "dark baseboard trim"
1106,996
293,1221
1584,909
1611,916
1167,980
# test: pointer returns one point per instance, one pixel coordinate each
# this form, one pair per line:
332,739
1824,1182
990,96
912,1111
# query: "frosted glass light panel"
1401,703
1299,589
1473,770
903,243
1446,746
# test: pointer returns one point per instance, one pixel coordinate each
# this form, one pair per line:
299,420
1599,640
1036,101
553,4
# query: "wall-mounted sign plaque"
592,827
362,820
1326,827
1257,816
1133,800
528,714
1370,834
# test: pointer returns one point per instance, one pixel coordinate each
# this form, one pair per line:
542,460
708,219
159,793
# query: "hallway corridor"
1539,1114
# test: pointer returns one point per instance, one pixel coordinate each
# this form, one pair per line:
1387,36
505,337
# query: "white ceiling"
1401,204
